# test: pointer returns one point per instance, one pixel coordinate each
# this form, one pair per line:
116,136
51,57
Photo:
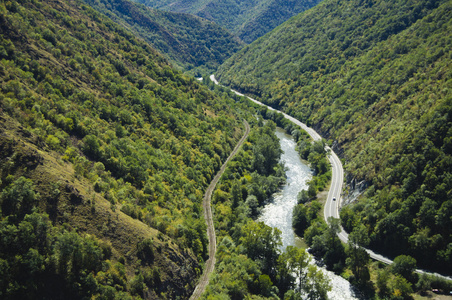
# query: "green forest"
107,147
247,20
374,78
105,153
250,261
189,42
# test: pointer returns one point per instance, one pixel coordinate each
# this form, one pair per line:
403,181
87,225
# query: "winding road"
210,263
332,206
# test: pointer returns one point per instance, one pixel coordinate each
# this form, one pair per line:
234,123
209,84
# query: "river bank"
278,212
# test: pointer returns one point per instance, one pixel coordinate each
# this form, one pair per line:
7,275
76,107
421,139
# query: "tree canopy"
374,78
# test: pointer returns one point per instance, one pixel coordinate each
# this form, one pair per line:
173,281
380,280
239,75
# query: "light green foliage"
295,261
249,260
383,281
401,288
235,273
318,285
53,142
146,123
313,284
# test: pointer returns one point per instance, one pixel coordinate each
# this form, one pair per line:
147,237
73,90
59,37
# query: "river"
278,213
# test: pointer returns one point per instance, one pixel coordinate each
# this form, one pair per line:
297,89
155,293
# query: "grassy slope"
89,213
375,77
129,142
188,41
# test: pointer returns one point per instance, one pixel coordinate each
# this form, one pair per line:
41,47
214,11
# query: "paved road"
337,179
210,263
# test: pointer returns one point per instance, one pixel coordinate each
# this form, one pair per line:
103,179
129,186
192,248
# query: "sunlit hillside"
374,77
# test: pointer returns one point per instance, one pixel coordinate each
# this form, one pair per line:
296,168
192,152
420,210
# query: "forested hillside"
375,78
247,19
186,40
105,151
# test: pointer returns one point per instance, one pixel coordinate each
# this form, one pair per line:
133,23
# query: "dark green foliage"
328,247
261,244
303,197
304,216
246,19
358,258
188,41
145,250
300,221
18,198
35,255
374,78
357,261
404,265
266,152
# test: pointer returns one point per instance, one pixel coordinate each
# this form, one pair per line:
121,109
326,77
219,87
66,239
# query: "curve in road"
210,263
331,206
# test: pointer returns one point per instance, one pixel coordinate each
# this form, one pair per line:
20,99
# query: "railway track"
210,263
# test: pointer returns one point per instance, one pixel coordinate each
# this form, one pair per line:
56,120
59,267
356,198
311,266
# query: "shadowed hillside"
188,41
248,20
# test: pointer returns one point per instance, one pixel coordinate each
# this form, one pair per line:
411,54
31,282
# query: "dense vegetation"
187,41
250,261
314,153
246,19
105,151
374,77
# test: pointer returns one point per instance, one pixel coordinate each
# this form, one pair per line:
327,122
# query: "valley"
333,201
359,97
113,156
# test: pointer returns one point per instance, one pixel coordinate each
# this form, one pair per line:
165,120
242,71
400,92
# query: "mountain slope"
247,19
105,151
374,77
188,41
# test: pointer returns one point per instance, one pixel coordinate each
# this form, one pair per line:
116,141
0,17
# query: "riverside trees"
249,258
380,90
